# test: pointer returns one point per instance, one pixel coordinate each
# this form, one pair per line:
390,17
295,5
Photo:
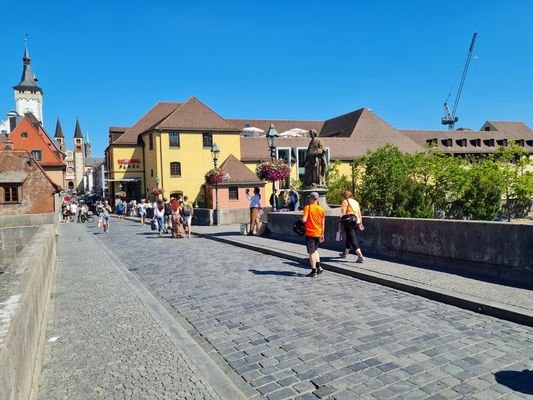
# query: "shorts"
187,219
120,212
105,217
312,244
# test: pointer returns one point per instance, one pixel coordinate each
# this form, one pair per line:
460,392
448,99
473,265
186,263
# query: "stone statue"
315,163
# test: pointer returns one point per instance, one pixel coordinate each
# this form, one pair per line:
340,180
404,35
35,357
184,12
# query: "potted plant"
216,176
157,191
275,170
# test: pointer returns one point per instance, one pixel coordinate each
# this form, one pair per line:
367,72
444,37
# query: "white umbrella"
253,130
294,132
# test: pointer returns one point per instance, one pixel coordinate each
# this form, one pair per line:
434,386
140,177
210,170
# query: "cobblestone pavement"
108,346
331,337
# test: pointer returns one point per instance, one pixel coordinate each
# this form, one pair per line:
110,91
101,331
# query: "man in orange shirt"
314,220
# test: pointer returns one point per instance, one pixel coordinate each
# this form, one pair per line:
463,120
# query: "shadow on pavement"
281,273
519,381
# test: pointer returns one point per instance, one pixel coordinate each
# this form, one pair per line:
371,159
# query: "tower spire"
28,81
77,131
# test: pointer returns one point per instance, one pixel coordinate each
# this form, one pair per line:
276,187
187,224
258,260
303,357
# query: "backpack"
299,227
168,210
153,225
186,210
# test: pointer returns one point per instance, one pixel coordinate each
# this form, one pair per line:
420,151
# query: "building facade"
169,147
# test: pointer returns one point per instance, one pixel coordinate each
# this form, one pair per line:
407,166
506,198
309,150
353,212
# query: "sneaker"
359,259
342,255
319,270
312,274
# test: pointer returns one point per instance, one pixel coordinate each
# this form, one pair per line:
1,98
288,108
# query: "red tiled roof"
195,115
148,121
238,172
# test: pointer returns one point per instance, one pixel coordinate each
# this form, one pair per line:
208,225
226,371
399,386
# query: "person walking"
120,210
159,215
141,210
255,205
351,220
106,211
187,212
314,219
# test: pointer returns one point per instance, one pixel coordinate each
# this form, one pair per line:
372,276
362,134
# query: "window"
24,135
475,142
10,193
174,139
233,193
431,142
150,142
489,142
36,154
175,169
207,139
447,142
461,142
152,173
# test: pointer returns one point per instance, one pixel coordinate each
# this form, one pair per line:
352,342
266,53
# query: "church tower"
79,157
87,146
59,137
28,95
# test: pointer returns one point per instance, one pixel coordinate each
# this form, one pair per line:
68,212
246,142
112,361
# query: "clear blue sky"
109,62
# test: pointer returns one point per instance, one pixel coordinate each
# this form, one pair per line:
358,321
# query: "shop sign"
129,163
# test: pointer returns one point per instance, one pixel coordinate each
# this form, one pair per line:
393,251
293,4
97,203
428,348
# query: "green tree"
382,190
336,183
512,160
483,191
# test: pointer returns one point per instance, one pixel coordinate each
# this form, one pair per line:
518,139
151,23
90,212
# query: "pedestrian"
351,220
120,210
187,212
106,211
255,205
274,200
293,200
73,211
159,215
168,214
141,210
314,219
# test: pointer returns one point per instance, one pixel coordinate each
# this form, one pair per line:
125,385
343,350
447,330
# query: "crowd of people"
175,217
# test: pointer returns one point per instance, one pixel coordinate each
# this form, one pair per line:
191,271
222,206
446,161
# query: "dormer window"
487,128
461,142
475,142
502,142
447,142
520,142
432,142
489,142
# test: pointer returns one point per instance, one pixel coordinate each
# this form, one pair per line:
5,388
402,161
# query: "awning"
13,176
125,180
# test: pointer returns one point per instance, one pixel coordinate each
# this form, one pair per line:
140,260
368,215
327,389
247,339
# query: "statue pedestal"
322,202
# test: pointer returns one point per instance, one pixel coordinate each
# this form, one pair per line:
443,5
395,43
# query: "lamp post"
215,152
271,136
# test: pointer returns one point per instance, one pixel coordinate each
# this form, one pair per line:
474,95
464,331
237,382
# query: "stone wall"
12,241
497,249
25,288
204,216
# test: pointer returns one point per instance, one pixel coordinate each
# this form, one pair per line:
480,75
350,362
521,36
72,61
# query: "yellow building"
170,148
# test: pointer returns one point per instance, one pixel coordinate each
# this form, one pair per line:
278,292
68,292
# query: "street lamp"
271,136
215,152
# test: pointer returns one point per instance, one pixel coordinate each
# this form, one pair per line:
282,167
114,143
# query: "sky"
107,63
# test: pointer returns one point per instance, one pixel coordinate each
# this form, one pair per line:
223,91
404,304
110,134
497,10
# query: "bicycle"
87,217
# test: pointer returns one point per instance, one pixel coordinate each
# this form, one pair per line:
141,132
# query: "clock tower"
28,95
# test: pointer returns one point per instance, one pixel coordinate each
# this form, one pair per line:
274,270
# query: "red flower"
272,171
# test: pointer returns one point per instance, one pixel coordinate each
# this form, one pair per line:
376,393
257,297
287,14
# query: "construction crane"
450,118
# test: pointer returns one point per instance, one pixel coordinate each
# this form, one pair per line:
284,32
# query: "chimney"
8,144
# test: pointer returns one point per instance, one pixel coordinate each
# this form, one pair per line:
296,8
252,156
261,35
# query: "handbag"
338,236
349,219
299,227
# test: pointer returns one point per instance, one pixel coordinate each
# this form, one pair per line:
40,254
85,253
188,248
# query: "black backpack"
168,210
299,227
